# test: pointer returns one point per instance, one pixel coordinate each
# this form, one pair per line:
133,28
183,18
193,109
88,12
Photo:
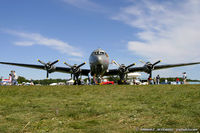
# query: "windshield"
99,53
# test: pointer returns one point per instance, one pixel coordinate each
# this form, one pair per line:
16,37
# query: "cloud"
167,30
25,43
31,39
84,4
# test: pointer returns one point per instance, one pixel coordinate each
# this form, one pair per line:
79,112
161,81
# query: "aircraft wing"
57,69
157,67
116,71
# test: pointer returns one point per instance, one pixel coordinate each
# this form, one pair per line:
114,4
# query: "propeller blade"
41,62
67,64
81,65
54,62
156,62
142,61
113,61
131,65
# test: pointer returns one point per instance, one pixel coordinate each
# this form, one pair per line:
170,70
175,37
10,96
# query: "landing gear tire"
79,82
75,83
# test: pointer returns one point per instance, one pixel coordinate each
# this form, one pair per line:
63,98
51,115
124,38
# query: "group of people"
12,79
184,79
156,80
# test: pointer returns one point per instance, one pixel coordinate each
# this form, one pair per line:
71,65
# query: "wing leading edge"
57,69
110,72
142,69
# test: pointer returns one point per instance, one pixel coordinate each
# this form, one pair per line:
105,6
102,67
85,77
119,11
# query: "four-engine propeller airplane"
99,63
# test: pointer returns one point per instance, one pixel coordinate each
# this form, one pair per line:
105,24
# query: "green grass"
98,109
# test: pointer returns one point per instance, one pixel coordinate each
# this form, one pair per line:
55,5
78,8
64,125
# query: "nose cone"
96,59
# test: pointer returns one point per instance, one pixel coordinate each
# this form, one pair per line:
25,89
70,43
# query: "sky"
128,30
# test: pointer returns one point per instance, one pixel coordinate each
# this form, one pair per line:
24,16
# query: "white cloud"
37,39
84,4
24,43
168,30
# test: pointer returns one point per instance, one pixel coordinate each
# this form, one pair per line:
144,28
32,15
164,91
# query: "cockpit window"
99,53
106,55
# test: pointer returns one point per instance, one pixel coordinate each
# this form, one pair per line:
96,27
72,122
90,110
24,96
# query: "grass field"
98,109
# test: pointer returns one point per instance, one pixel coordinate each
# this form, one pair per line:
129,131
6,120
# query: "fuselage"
99,62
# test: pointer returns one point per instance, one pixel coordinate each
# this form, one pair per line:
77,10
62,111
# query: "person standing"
14,78
89,78
177,81
154,80
158,79
184,78
150,81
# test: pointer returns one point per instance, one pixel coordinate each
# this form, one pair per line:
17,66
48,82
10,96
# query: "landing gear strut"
76,80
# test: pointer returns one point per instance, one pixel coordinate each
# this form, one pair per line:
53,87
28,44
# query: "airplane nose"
98,60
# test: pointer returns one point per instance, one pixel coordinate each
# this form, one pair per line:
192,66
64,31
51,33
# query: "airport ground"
98,109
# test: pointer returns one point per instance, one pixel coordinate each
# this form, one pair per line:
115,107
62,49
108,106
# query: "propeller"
75,68
49,67
122,67
113,61
149,67
123,70
76,71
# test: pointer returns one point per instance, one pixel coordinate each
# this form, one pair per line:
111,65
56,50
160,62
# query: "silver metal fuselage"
99,62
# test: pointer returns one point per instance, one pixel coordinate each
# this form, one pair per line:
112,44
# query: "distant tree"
174,79
22,79
110,78
48,81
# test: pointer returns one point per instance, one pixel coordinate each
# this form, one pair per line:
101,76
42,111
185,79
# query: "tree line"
110,78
